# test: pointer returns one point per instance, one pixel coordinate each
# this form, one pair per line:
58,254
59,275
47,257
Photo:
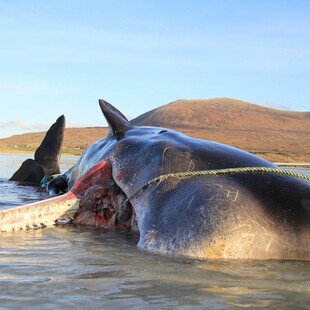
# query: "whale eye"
163,131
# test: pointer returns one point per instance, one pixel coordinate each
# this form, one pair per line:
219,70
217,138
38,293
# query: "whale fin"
118,123
29,172
46,157
48,153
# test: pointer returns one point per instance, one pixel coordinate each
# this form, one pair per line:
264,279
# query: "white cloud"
21,124
18,127
278,106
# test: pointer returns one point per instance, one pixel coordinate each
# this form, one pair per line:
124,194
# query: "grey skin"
46,157
248,216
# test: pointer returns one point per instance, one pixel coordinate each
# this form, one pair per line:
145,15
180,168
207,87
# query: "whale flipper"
29,171
46,158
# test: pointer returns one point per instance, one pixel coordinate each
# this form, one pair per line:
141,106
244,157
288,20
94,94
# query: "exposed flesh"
94,200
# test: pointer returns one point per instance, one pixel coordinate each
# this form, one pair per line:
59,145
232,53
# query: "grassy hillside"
280,136
273,134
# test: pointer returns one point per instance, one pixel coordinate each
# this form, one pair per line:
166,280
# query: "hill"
280,136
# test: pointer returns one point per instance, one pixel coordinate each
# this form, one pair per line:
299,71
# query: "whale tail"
46,158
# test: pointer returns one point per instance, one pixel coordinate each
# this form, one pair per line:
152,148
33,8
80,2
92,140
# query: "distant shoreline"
299,165
31,154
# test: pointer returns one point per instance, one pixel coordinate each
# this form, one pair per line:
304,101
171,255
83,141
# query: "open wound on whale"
93,200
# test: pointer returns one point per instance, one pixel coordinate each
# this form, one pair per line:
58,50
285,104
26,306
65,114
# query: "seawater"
82,267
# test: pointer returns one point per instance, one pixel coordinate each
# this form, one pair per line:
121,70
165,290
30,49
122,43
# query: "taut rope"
219,172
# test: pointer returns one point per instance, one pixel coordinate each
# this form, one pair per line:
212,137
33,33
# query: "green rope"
48,178
219,172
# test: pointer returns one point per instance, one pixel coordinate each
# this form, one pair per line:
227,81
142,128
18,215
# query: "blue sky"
59,57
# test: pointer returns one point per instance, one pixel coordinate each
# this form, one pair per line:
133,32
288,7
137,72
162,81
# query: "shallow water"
87,267
13,194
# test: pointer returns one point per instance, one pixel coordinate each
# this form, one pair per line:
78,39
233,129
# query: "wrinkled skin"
250,216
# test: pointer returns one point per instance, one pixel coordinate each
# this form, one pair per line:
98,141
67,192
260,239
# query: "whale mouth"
102,201
95,200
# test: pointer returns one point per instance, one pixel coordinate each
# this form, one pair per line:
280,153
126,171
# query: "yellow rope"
219,172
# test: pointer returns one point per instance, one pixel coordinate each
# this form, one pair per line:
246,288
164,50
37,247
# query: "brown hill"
76,140
280,136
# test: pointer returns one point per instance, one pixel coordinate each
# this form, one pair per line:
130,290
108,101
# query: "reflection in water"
63,266
14,194
82,267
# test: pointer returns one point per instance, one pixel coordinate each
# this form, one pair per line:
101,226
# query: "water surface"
61,267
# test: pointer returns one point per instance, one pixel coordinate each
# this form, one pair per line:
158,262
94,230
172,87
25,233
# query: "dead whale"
240,216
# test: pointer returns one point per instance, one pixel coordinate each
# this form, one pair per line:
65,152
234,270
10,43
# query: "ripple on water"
87,267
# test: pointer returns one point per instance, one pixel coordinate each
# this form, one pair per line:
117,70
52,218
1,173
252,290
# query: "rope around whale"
46,179
219,172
